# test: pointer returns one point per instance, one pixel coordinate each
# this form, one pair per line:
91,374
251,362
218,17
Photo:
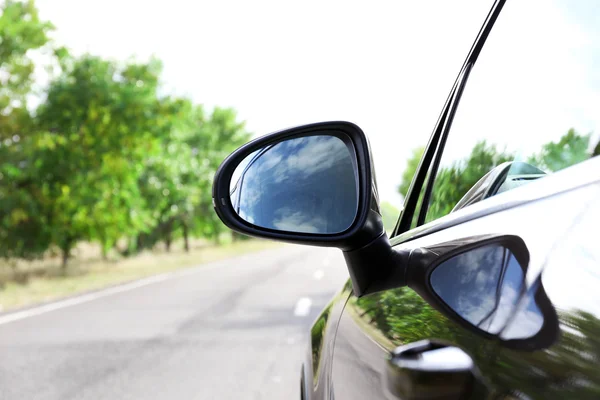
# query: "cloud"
299,185
469,286
299,222
475,312
313,154
527,321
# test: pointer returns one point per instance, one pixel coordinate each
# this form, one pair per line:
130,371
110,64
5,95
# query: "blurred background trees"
454,181
102,154
105,155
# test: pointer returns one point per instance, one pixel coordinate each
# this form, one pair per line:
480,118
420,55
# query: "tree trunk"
168,239
186,240
105,249
167,233
66,247
139,244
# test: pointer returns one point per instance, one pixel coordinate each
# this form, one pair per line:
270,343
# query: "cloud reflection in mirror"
306,185
483,286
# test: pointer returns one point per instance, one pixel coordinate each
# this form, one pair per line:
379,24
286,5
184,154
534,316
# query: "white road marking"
81,299
84,298
276,379
326,261
302,307
318,275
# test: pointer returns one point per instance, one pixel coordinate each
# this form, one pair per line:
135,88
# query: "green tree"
454,181
21,32
99,122
169,182
24,227
214,140
176,184
106,157
571,148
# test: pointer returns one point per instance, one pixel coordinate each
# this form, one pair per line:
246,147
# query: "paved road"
235,329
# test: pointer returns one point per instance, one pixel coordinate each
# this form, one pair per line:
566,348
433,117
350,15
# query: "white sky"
538,76
385,65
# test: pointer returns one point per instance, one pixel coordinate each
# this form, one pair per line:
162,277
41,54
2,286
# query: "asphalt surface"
235,329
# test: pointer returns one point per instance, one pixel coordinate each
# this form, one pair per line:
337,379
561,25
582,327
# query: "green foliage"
100,121
403,316
567,369
571,149
222,134
105,156
454,181
21,31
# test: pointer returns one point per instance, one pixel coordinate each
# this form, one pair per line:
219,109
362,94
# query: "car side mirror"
480,283
309,185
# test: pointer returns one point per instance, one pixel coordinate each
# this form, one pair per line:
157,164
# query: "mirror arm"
376,266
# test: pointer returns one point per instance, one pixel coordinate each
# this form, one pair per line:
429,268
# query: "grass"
45,281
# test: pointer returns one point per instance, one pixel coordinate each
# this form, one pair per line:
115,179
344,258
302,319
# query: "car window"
530,106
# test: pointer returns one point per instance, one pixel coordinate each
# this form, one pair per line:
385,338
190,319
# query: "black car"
489,285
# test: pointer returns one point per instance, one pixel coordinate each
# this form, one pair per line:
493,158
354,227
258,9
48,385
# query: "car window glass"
530,107
415,218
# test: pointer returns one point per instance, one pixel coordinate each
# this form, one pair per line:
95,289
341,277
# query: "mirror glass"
305,185
482,286
527,320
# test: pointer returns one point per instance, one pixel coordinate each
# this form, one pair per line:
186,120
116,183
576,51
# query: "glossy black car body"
371,341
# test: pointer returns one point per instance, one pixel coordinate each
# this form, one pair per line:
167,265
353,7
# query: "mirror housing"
424,262
367,224
364,240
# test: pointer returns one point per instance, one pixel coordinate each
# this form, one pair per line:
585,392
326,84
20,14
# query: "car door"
528,98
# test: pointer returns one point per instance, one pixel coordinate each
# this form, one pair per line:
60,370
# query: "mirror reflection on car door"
482,286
